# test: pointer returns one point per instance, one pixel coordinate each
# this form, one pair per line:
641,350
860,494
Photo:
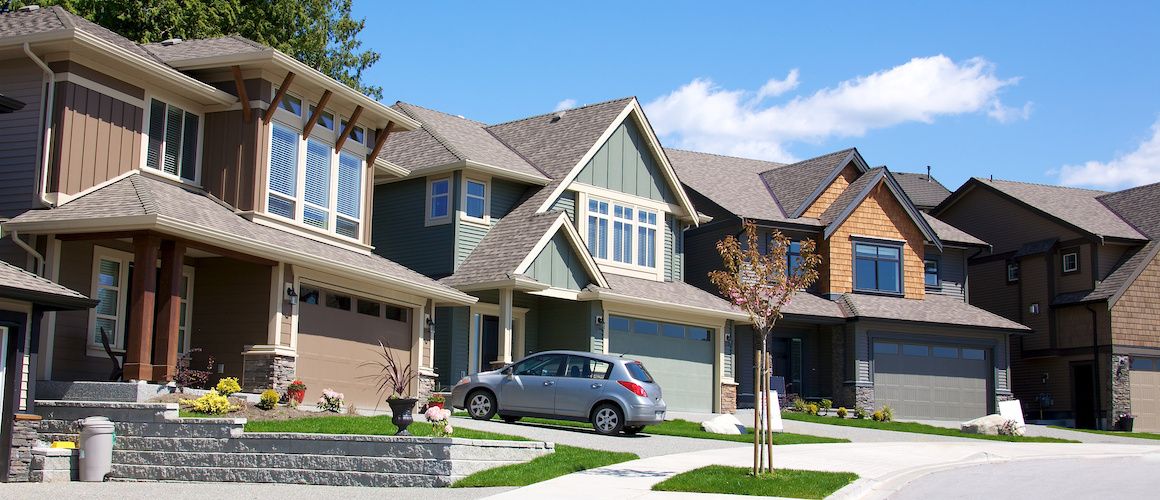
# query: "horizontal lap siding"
96,139
952,274
674,249
19,135
567,203
468,237
398,231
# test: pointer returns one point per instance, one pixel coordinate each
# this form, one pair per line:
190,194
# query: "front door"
583,384
531,388
488,341
1085,399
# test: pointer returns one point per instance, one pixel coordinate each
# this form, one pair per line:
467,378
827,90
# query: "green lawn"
685,428
915,428
566,460
379,425
1138,435
738,481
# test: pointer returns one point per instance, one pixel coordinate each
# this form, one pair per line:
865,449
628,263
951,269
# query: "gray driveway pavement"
155,491
1094,478
644,445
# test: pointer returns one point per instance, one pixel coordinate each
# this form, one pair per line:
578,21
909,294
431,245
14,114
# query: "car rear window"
637,371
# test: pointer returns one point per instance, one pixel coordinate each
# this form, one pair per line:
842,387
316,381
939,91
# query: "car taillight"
635,388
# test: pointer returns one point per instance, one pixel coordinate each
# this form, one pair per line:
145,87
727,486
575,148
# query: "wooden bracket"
316,114
350,124
278,97
380,140
245,100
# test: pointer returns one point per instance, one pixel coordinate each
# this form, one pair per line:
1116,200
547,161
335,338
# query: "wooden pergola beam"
278,97
380,140
242,97
350,124
316,114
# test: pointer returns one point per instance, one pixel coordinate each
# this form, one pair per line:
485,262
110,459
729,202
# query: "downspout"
31,251
1096,363
46,143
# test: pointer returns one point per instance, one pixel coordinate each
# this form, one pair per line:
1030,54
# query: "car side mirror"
508,372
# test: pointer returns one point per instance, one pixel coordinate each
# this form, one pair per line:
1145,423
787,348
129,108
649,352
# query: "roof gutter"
156,69
45,145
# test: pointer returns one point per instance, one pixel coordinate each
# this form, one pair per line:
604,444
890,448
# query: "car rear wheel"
511,419
633,429
607,419
481,405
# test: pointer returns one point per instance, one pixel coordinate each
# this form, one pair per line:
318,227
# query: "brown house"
1080,268
239,175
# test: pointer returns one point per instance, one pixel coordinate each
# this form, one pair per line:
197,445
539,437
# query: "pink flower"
448,429
434,413
446,414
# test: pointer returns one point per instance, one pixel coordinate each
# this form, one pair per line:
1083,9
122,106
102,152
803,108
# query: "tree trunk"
756,417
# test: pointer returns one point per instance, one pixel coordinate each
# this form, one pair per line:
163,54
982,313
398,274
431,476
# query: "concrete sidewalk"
883,467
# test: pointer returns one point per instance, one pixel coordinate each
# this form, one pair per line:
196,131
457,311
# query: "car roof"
611,358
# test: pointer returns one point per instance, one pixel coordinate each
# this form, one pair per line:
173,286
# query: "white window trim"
143,159
608,264
486,181
117,339
1075,264
444,219
187,272
474,351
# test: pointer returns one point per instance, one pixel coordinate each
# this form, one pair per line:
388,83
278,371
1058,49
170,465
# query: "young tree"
320,33
761,284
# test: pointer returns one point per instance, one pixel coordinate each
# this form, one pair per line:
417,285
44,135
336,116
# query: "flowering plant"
210,403
330,401
440,420
295,392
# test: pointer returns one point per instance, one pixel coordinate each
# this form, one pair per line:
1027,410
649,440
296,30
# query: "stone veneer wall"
728,397
24,429
261,371
427,381
1121,388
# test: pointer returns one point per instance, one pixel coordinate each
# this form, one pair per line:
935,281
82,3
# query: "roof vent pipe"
559,115
29,8
171,41
928,173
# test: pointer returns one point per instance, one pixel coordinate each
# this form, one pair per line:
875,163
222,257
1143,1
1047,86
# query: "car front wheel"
481,405
607,419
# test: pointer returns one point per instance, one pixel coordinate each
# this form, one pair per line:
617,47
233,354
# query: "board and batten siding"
559,266
452,328
230,166
674,249
624,163
19,135
952,274
399,232
96,138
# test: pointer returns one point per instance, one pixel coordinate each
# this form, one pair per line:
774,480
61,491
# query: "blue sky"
1049,92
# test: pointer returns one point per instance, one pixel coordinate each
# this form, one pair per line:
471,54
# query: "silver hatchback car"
613,393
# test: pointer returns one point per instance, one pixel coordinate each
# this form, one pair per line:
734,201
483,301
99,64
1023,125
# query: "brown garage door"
337,334
1145,387
930,381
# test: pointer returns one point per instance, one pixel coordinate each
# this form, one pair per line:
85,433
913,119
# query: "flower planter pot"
435,404
401,414
296,394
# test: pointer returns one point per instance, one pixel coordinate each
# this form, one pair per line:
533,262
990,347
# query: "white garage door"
679,357
1145,389
931,381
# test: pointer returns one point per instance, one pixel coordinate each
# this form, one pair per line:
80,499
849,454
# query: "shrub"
887,414
841,412
812,409
269,399
826,405
211,403
186,376
876,416
1011,427
330,401
228,386
436,399
859,412
798,405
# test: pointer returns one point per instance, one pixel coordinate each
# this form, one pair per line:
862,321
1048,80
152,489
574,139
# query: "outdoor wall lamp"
599,320
430,322
292,296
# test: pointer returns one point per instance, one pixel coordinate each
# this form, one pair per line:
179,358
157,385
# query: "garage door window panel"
975,354
945,352
915,350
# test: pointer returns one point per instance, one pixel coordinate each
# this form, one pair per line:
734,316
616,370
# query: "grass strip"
789,483
915,427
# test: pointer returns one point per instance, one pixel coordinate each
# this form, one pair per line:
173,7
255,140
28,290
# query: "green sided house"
568,227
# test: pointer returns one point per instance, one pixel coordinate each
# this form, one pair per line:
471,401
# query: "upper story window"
173,134
878,267
1012,272
1070,260
475,199
930,273
438,200
358,134
633,239
309,181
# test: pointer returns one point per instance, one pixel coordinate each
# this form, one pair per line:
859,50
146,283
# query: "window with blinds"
110,311
172,145
283,172
349,195
317,195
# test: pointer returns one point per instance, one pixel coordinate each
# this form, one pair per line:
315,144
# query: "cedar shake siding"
231,159
832,192
1134,317
880,215
20,133
96,138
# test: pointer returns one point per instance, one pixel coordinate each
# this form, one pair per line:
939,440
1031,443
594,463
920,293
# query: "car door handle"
549,383
597,386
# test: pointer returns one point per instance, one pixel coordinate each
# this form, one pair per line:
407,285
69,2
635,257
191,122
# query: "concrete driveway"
644,445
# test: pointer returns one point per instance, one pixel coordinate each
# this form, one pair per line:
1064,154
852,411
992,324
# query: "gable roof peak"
626,100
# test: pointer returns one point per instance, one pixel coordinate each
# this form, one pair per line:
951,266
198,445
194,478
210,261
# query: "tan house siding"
230,158
1002,223
96,138
286,328
69,358
1000,298
1077,281
97,77
880,215
832,192
1135,318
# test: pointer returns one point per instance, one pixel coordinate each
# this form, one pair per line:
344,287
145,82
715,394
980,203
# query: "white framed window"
358,135
173,137
309,181
111,289
186,310
438,200
633,238
1071,261
475,199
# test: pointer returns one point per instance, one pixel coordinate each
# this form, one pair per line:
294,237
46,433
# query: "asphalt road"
1073,479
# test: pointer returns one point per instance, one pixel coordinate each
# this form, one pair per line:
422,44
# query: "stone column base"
266,370
24,429
427,382
1121,388
728,397
864,398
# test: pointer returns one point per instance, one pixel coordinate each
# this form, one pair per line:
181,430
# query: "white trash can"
96,444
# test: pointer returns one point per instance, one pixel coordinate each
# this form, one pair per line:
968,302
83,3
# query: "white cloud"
565,104
702,116
1135,168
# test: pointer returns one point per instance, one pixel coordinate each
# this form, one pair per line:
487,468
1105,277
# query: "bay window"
172,147
634,233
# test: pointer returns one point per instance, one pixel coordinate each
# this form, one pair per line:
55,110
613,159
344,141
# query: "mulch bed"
248,410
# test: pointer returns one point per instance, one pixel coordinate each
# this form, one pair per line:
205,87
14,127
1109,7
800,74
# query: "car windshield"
637,371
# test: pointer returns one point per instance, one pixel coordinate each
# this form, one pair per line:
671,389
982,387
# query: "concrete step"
99,391
286,476
382,465
113,410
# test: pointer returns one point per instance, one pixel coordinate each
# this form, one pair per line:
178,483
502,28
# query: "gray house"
888,322
568,227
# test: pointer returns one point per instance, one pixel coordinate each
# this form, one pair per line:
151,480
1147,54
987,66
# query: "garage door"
679,357
1145,387
930,381
338,332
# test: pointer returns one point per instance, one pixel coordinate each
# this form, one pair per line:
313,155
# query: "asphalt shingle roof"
205,47
16,282
138,195
793,184
1079,207
56,18
556,145
850,195
672,292
951,234
924,192
936,309
734,183
1139,206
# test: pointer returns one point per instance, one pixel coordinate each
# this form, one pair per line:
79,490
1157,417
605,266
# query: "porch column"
139,343
505,325
168,310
